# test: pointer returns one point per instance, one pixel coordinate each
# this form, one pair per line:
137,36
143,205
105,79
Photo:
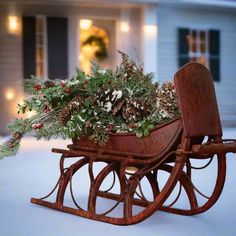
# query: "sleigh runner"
170,148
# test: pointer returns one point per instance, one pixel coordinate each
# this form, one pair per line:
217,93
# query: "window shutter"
183,46
29,46
214,50
57,47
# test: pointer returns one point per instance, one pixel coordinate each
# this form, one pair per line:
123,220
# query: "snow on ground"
35,169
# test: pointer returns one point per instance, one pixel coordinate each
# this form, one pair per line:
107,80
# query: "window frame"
44,46
213,51
198,54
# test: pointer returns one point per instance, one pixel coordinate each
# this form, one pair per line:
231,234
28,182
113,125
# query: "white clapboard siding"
10,71
171,18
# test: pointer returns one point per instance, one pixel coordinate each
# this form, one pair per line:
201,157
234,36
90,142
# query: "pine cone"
65,114
166,99
111,100
117,107
103,95
17,135
135,110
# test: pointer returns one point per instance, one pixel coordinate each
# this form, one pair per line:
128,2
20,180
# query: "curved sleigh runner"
143,175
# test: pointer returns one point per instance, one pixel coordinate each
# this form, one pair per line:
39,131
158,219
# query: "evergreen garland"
94,106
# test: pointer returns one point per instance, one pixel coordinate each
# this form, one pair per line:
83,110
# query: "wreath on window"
101,52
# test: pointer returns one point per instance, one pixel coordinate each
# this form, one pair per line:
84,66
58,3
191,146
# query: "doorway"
97,43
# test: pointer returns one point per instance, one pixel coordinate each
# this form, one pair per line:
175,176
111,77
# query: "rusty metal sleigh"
171,148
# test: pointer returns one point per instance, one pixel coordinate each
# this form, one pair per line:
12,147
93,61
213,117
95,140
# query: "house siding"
10,72
11,63
172,18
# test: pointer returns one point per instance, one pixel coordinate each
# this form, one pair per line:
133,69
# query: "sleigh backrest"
197,101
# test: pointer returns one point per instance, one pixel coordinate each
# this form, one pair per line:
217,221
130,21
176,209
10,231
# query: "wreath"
101,52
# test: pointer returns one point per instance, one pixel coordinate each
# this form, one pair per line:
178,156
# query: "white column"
123,32
73,44
150,33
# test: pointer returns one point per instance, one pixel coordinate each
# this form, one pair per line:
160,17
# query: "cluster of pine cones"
166,98
132,110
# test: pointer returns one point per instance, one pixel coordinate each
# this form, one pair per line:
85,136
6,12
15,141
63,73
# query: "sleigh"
131,178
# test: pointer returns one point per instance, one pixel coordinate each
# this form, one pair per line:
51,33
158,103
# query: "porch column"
73,44
123,33
150,39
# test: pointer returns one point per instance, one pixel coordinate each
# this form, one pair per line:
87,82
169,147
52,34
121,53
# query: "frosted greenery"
94,106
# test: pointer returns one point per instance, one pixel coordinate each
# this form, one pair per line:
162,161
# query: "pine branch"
7,151
124,100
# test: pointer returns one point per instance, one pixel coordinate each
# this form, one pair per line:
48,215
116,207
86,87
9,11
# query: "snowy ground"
34,170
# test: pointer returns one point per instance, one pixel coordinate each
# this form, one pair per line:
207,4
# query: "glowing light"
85,24
150,31
13,24
124,27
30,114
10,94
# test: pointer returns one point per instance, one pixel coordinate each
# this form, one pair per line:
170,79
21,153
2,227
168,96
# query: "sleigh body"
170,150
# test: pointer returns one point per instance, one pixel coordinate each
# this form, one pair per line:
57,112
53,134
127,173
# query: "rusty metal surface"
197,101
214,148
159,139
168,149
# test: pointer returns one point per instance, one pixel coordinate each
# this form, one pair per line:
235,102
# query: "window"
198,47
202,46
45,52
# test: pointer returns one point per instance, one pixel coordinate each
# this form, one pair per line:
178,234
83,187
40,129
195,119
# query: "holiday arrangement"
93,106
